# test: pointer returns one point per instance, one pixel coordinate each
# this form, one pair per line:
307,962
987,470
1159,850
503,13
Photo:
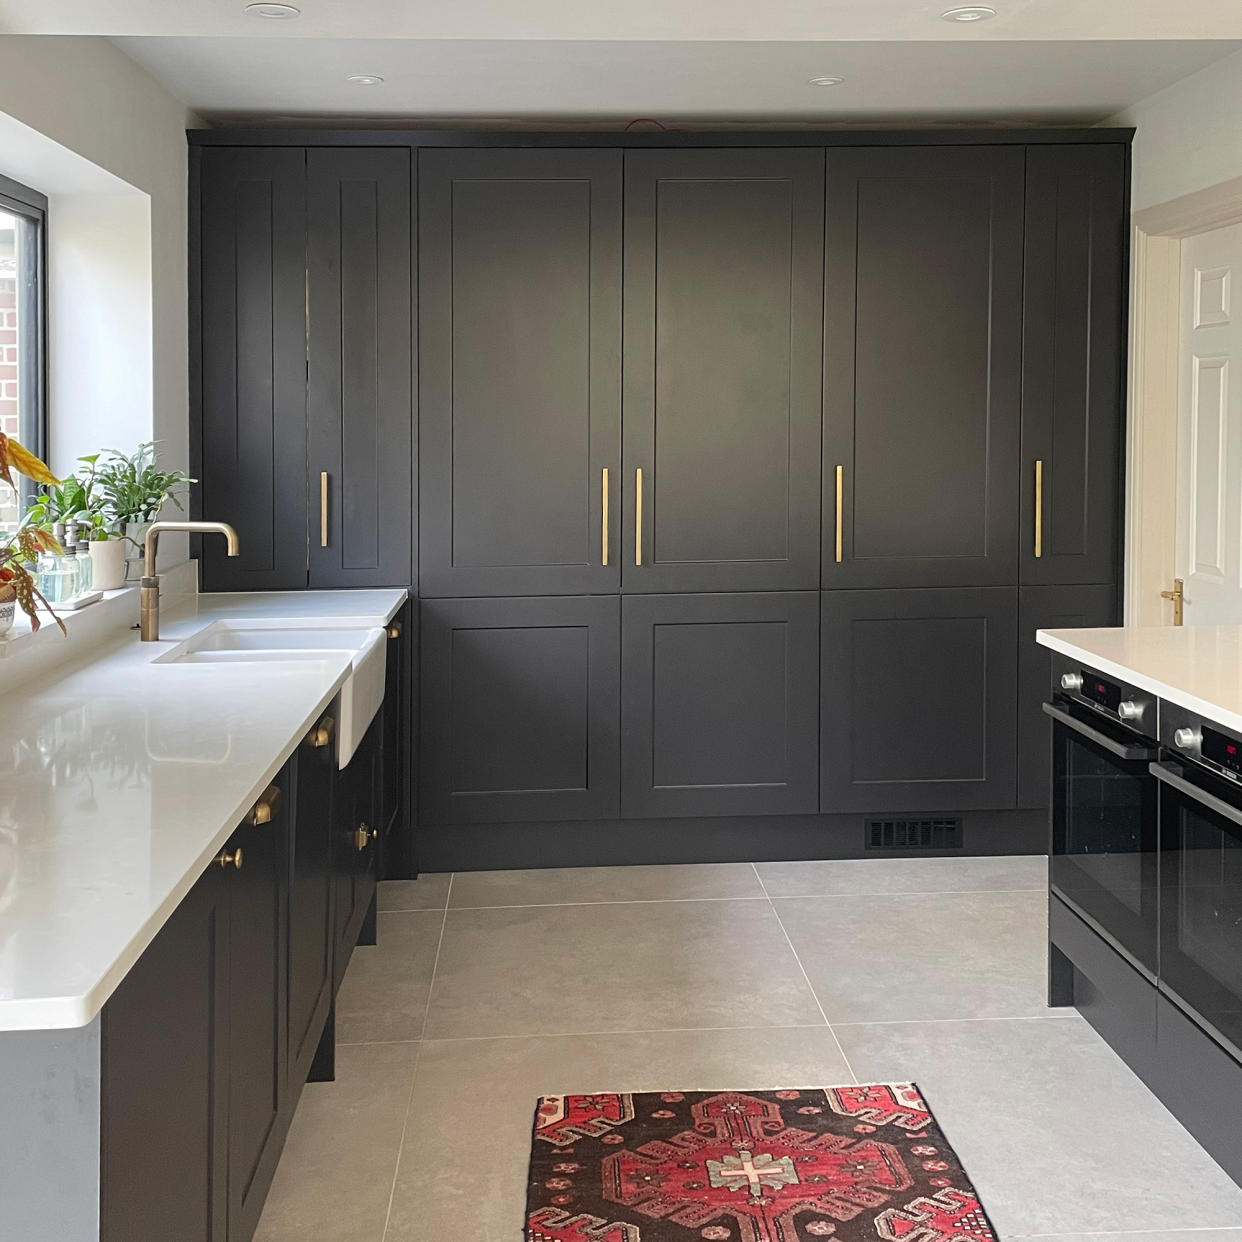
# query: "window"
23,382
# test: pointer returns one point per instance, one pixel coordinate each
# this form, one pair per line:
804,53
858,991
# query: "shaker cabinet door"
360,413
720,704
723,337
252,278
1073,360
922,366
520,709
918,700
520,372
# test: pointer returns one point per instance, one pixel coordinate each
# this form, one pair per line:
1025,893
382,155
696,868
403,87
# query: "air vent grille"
913,834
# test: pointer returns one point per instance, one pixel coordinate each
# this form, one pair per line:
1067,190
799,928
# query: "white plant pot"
137,531
107,564
7,609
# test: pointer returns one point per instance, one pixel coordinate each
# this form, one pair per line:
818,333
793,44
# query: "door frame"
1151,426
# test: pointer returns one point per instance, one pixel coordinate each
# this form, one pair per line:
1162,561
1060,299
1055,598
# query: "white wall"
89,98
1189,134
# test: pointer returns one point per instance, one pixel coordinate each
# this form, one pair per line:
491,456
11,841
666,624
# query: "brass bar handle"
840,544
603,539
267,807
322,734
323,509
230,858
638,516
364,834
1039,508
394,630
1178,596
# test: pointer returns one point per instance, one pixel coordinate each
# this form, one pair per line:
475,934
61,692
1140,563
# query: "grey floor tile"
905,875
567,886
1057,1134
643,966
428,892
335,1176
922,956
384,993
1146,1235
443,1192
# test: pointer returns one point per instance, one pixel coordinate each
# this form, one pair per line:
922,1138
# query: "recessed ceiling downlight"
968,13
273,12
828,79
364,79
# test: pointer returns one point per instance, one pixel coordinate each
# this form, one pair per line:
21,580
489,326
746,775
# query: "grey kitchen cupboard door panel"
520,373
520,707
918,700
719,711
922,366
360,415
1048,608
252,221
1073,362
721,399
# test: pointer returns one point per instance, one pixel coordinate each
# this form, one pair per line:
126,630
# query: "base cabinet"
919,700
719,707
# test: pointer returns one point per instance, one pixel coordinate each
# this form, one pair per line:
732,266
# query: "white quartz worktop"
1198,667
120,780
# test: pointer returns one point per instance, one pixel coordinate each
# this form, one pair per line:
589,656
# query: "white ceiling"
485,80
635,19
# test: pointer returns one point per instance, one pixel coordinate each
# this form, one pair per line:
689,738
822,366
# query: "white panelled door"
1209,475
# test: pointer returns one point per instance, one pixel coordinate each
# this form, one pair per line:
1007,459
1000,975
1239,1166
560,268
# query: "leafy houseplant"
134,489
21,549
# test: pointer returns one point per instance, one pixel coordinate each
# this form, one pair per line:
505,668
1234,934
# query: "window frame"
20,200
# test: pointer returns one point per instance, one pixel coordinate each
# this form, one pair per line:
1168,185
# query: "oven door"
1103,859
1201,897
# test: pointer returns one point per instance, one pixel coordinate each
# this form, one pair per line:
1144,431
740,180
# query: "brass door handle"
603,539
323,509
364,834
322,734
638,516
267,807
230,858
1178,596
840,534
1039,508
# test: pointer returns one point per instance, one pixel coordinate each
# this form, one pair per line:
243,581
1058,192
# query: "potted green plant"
21,549
135,488
78,498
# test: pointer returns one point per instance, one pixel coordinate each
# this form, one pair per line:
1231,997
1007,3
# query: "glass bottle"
86,563
57,572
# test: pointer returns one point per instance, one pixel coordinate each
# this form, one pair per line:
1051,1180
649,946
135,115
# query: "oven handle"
1171,776
1136,754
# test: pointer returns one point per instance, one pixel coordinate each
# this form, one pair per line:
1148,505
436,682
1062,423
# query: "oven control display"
1226,751
1095,688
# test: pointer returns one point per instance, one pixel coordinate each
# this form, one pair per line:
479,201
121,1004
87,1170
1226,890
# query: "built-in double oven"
1147,839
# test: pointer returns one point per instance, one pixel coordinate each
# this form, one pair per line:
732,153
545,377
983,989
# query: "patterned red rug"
850,1163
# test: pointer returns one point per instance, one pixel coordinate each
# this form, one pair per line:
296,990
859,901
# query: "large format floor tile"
463,1167
853,876
568,886
335,1177
1057,1134
384,993
631,967
922,956
428,892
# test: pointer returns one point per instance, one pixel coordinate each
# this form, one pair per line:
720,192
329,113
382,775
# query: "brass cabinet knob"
230,858
322,734
394,630
364,834
267,807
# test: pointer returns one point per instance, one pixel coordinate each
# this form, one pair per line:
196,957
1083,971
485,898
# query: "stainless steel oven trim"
1200,1021
1171,776
1135,754
1071,905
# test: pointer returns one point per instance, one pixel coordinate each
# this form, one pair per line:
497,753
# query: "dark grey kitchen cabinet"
520,709
520,373
720,704
392,788
1048,608
356,833
359,393
922,366
1073,360
918,700
163,1063
252,363
721,396
257,1003
311,930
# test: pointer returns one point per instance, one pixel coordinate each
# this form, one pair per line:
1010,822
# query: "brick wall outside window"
9,512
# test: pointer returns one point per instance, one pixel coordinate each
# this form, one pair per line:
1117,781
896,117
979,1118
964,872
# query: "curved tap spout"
150,607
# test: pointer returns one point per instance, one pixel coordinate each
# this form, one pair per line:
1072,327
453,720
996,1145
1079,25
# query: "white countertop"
1198,667
121,779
